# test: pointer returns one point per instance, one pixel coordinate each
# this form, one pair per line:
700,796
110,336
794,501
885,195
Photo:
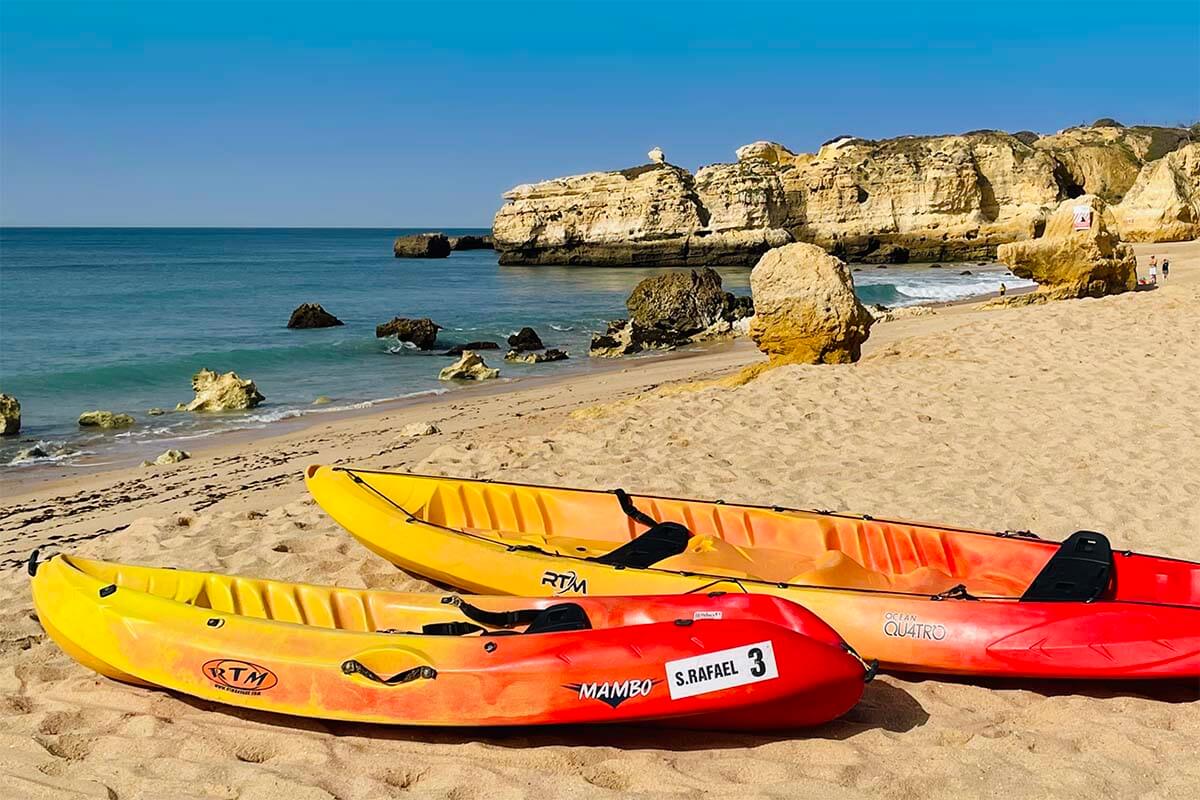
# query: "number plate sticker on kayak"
722,669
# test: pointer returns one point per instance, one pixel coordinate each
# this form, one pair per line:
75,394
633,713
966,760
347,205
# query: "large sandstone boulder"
221,392
421,245
470,367
105,419
312,315
1163,205
421,332
1068,261
10,415
805,307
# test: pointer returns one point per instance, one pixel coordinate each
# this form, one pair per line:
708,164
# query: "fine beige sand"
1080,414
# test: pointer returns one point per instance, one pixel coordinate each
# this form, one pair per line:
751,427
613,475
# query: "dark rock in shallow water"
458,349
525,339
737,307
421,245
618,340
312,315
552,354
935,266
471,243
675,306
965,272
421,332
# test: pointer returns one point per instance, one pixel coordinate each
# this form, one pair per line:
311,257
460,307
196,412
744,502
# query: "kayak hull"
519,542
316,651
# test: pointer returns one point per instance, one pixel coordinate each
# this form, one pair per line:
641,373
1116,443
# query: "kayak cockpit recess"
1078,572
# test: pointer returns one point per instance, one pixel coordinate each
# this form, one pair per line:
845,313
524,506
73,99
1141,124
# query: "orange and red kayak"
730,661
917,597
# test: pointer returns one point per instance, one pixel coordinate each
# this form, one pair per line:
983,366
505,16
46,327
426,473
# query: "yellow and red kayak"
916,597
729,661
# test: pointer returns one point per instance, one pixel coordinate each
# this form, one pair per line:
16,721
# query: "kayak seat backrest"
559,618
661,541
1079,571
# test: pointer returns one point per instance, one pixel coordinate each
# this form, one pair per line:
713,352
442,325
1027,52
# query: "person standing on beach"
1153,269
1166,268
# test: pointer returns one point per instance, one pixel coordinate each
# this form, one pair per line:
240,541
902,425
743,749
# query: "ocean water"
119,319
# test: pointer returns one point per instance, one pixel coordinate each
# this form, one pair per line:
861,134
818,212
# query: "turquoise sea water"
119,319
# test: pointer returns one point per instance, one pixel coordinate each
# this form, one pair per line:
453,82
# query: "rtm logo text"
565,582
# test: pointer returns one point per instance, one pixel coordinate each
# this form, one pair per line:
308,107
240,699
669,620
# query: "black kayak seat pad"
1079,571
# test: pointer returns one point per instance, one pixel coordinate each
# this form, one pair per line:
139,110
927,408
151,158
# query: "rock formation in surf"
805,307
914,198
469,242
525,339
10,415
536,357
312,315
672,309
421,245
471,367
221,392
420,332
459,349
1079,255
105,419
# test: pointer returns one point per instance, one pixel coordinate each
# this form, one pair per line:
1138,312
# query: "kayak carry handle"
355,667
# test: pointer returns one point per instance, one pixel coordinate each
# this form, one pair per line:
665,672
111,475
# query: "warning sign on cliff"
1083,218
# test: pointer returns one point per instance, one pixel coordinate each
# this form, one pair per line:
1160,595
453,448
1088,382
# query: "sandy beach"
1072,415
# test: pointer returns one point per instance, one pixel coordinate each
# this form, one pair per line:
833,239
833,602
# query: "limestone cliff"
654,214
918,198
1163,205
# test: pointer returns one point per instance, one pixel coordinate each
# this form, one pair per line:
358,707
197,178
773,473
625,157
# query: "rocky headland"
913,198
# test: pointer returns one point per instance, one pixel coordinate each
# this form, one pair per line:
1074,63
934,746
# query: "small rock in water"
224,392
322,401
935,266
10,415
156,412
415,429
312,315
470,367
421,245
553,354
459,349
965,272
30,453
469,242
421,332
525,339
105,419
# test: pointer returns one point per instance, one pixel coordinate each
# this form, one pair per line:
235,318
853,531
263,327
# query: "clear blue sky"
406,114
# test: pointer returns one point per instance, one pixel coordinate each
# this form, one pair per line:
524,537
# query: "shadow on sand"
883,706
1182,690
